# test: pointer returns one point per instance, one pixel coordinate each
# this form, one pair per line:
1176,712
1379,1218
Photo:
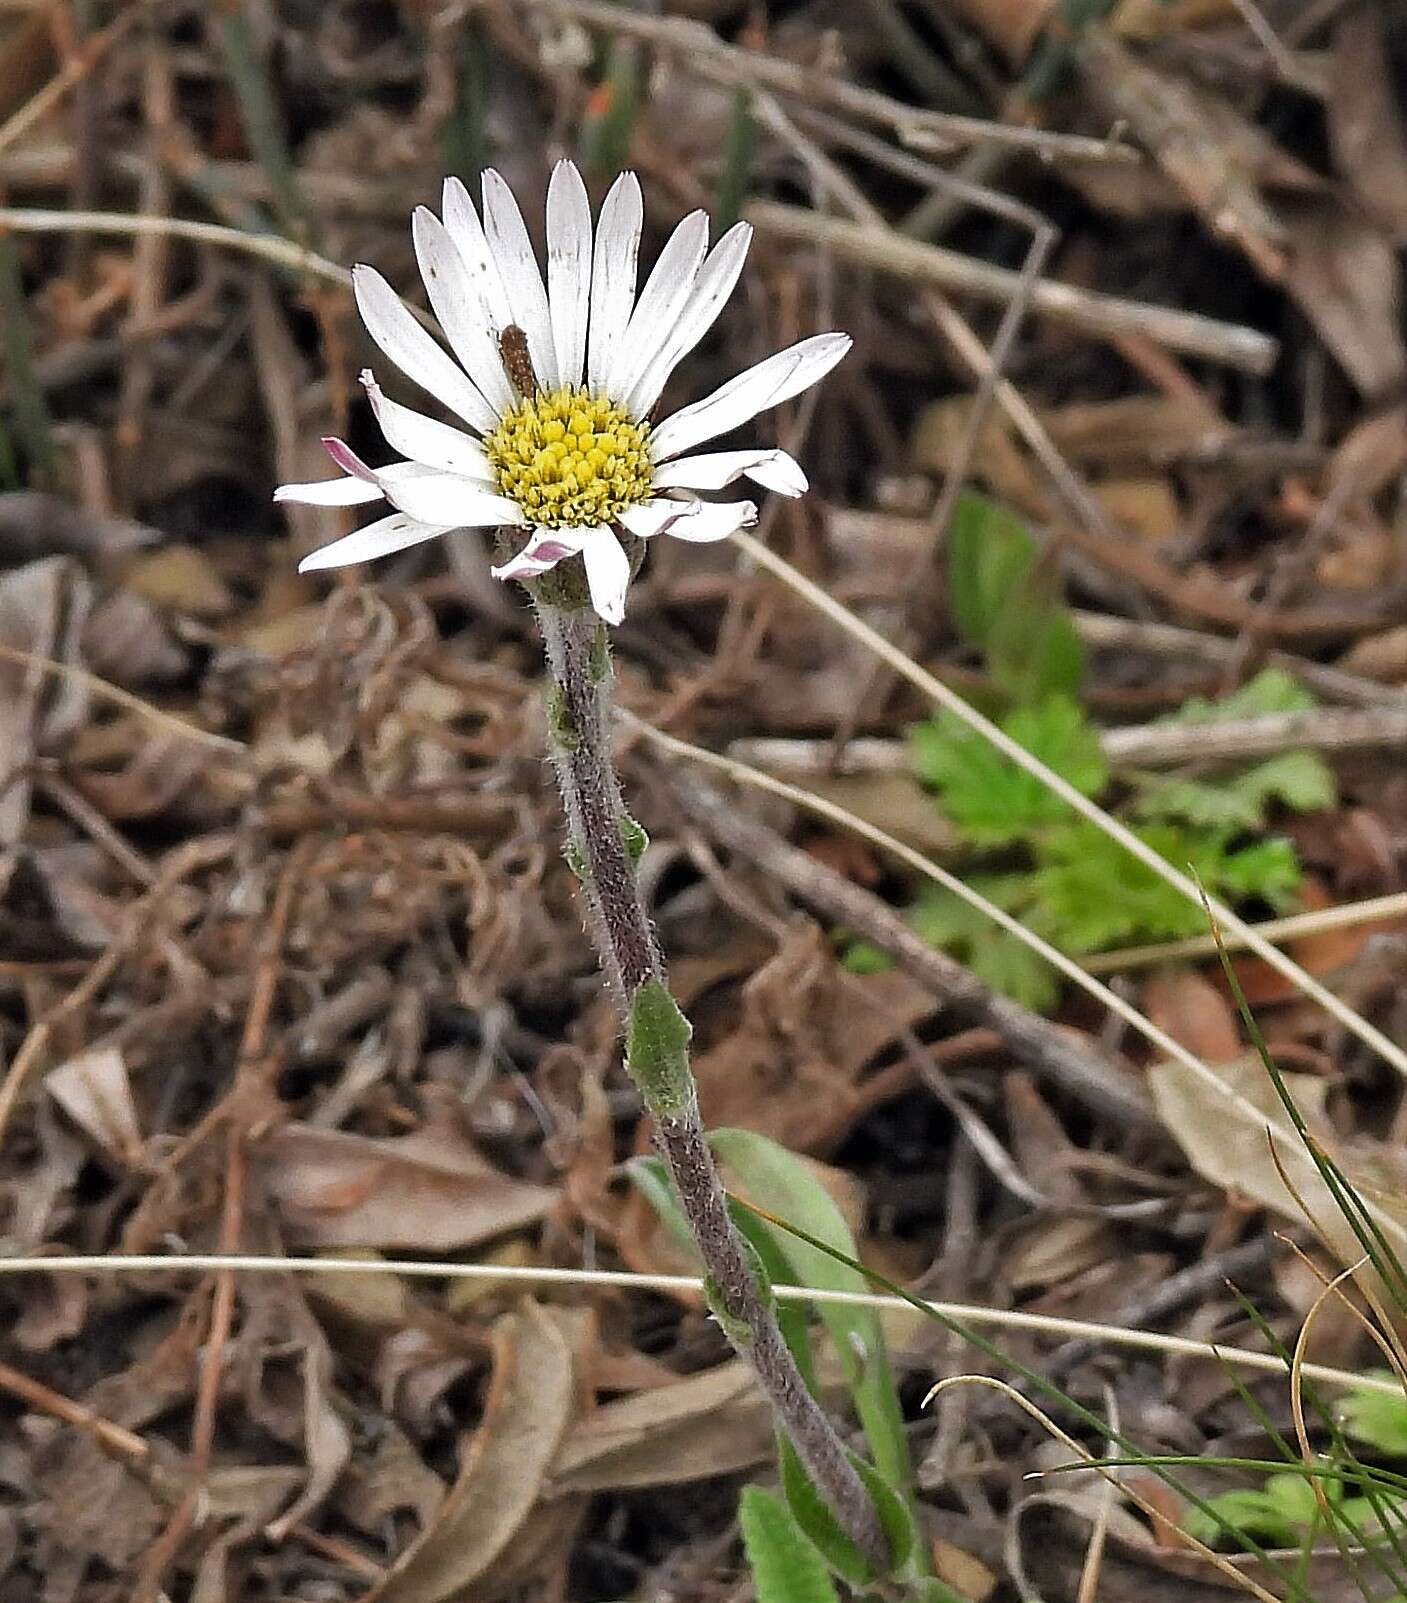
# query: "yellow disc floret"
570,458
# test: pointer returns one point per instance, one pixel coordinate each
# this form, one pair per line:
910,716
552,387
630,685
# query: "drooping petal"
649,518
461,307
544,550
613,275
345,492
426,439
390,323
607,572
767,384
379,539
517,267
774,470
464,228
716,281
568,268
715,520
361,485
663,299
456,503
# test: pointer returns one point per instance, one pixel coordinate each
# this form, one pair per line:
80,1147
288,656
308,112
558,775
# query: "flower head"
556,385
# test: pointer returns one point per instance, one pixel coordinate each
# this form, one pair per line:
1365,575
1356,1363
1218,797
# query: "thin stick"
709,55
1090,311
629,1279
271,247
122,698
949,699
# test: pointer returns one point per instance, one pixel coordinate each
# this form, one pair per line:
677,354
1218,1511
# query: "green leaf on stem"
657,1051
813,1515
786,1568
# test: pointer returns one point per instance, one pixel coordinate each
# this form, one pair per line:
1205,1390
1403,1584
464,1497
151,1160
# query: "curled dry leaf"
503,1468
430,1191
95,1092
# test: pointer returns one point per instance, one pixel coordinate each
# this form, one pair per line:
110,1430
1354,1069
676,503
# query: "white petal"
456,503
775,470
517,267
650,518
377,539
461,307
568,268
390,323
662,301
715,520
613,274
544,550
716,281
772,381
607,572
346,492
426,439
464,228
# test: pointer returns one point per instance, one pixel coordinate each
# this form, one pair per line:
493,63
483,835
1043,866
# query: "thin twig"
709,55
1090,311
629,1279
1155,745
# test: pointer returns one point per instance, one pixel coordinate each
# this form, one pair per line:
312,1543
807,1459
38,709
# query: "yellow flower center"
570,458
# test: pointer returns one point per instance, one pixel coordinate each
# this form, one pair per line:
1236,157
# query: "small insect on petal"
513,343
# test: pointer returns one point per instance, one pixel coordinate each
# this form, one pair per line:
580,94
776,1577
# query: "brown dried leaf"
504,1466
1347,279
430,1191
95,1092
716,1423
1365,123
1195,1013
42,611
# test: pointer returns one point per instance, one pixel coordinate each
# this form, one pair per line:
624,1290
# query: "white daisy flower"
555,386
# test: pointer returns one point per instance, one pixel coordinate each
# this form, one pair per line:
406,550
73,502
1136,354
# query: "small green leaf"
1373,1417
1271,691
990,799
997,957
786,1568
815,1518
636,840
657,1050
1006,602
864,957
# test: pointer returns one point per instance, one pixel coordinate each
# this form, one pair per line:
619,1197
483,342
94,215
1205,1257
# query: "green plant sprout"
1030,854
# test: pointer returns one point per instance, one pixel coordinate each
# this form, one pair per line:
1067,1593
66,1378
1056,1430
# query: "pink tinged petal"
717,279
379,539
607,572
517,267
649,518
613,275
426,439
544,550
568,268
390,323
459,304
774,470
716,520
464,228
661,303
768,384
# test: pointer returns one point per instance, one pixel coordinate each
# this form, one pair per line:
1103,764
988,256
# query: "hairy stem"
600,836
